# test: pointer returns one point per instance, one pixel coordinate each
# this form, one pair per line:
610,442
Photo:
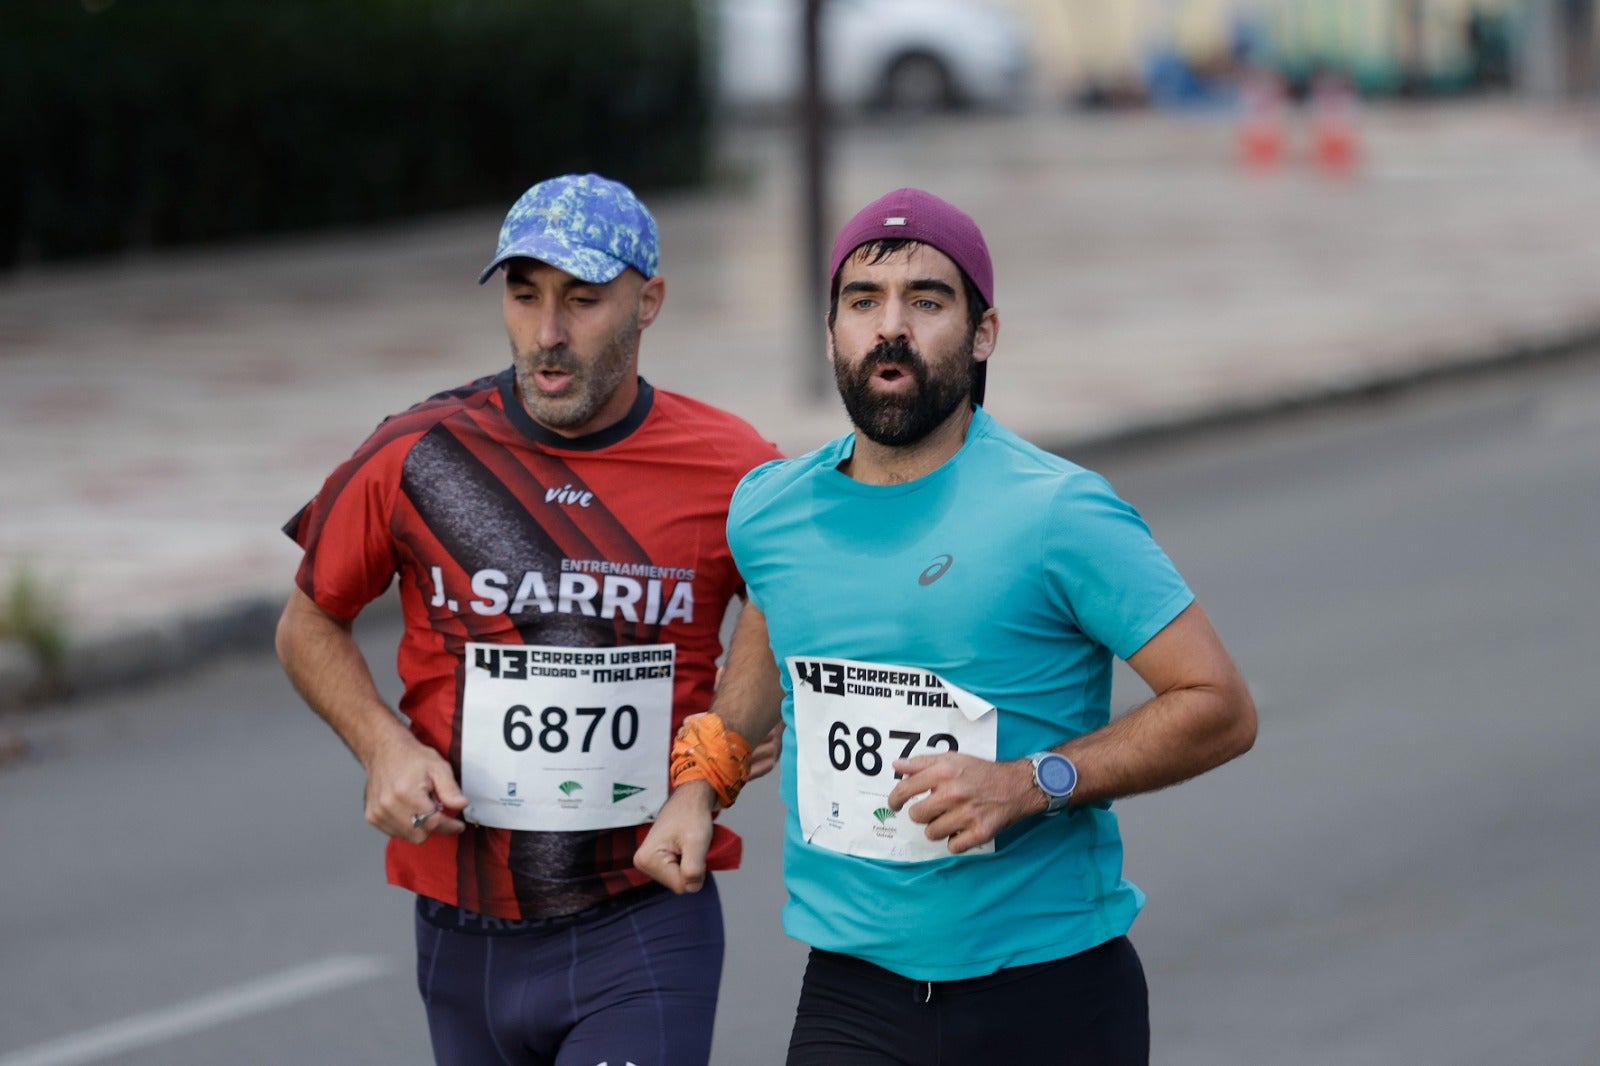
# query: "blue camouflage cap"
591,227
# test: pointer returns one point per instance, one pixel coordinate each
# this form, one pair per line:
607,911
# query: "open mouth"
550,379
893,376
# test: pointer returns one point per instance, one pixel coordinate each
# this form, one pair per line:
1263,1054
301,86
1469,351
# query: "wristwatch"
1056,777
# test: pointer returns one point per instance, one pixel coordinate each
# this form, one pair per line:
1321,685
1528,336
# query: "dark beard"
896,421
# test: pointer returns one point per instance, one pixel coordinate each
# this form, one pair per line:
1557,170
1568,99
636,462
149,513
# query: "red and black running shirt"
463,497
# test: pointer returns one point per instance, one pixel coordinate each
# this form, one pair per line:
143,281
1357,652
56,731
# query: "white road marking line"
203,1012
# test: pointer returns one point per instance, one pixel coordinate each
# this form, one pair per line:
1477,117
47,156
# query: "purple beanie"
912,214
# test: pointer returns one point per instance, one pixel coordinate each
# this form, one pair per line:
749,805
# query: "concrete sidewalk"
161,416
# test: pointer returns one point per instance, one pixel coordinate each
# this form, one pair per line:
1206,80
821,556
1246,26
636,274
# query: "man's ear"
988,333
652,294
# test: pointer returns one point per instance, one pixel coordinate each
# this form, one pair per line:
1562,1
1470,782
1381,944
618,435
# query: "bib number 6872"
867,754
552,735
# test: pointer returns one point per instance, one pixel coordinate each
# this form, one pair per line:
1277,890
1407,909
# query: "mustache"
898,351
560,358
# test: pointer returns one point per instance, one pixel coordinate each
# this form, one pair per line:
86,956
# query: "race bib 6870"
562,739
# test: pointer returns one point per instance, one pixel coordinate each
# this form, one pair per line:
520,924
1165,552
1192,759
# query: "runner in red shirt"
557,530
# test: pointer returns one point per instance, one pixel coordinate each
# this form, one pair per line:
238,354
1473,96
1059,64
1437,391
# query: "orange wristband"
705,750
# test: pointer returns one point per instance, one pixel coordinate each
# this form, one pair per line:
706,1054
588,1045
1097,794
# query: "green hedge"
134,123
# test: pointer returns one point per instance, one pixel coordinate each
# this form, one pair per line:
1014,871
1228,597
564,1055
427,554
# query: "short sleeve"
1105,568
749,496
346,531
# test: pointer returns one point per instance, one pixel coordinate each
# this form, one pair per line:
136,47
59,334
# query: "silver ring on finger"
418,819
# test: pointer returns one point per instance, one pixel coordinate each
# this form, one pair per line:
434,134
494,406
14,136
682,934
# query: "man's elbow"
301,625
283,636
1239,726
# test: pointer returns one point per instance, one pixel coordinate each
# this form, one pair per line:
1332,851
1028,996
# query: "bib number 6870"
867,754
552,734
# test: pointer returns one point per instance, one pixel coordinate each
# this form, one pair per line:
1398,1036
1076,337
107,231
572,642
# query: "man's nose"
892,325
552,330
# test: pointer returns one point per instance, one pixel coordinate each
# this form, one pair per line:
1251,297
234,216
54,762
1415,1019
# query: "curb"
1575,346
144,654
133,656
23,678
93,665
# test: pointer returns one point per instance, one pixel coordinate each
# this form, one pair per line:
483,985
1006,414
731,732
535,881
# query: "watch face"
1057,775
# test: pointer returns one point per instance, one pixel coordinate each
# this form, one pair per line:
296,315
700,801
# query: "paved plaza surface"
161,415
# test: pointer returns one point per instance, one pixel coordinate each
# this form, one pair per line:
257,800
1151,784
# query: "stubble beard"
593,381
897,421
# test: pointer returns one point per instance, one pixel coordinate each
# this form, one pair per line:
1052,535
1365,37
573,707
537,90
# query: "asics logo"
935,570
566,494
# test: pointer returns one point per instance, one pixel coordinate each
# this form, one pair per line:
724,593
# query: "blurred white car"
894,54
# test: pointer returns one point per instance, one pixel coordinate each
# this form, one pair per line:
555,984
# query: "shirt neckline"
603,438
845,447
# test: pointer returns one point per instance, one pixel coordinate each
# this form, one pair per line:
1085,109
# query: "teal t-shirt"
1012,574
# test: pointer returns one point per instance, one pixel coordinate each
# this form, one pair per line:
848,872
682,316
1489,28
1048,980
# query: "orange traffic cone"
1335,140
1261,123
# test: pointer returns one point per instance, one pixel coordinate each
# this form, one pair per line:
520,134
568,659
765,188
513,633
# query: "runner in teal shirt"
1011,574
935,608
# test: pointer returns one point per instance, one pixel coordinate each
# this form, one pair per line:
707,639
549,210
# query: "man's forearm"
750,699
411,791
1173,737
322,659
1201,716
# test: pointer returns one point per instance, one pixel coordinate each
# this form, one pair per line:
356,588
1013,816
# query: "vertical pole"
1414,58
814,212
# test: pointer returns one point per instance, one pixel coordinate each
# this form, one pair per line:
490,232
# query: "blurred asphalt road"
162,415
